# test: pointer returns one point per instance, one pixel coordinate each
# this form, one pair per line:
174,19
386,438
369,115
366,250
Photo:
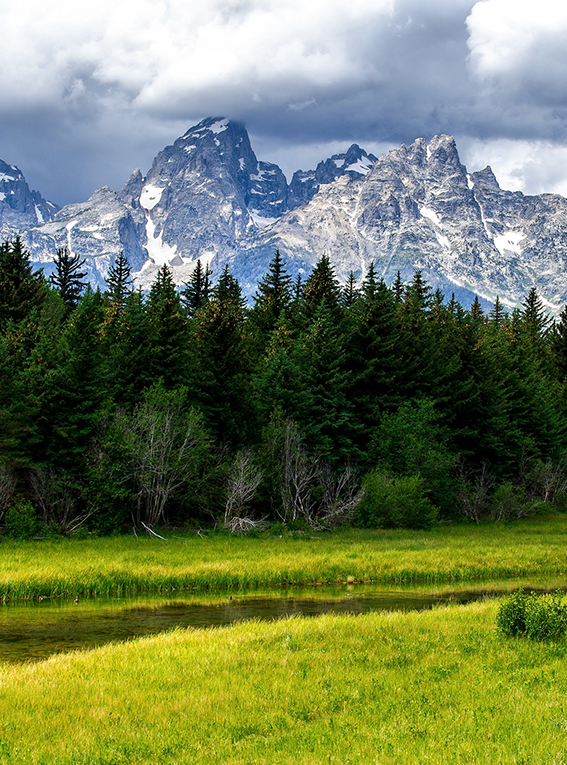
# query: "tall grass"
440,686
120,565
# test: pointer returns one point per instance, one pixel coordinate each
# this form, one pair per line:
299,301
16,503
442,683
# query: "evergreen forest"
314,406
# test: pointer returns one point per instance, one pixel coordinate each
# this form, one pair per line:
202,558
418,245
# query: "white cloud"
534,167
91,89
159,54
517,48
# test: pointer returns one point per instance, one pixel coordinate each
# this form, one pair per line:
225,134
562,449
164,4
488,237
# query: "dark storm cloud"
105,85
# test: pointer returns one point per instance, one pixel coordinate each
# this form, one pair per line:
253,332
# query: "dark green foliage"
349,292
197,291
325,412
167,331
273,297
411,442
372,357
67,278
538,617
395,501
21,288
511,616
119,280
321,287
223,362
21,520
452,411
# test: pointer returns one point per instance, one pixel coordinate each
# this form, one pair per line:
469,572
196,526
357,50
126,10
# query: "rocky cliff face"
19,206
418,208
207,196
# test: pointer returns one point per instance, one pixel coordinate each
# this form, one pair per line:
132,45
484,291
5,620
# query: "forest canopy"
316,405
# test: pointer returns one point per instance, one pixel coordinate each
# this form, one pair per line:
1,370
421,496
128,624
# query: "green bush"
395,501
511,617
21,520
546,617
510,502
411,442
541,617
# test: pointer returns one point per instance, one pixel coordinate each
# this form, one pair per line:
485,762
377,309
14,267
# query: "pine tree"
398,288
419,350
21,288
127,350
67,278
321,287
373,350
119,281
497,314
326,415
477,314
349,292
223,362
535,322
168,335
273,297
197,291
78,387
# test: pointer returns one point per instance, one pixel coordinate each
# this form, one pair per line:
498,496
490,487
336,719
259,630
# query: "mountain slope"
208,197
19,206
418,208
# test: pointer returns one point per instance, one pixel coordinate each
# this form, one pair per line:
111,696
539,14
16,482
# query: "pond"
32,631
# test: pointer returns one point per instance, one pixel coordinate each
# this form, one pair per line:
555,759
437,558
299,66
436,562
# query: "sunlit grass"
120,565
437,686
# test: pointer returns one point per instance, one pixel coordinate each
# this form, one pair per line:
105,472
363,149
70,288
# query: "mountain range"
208,197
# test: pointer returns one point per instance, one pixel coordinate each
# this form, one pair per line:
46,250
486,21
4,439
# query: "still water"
32,631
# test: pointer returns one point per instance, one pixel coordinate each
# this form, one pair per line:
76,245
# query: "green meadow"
439,686
126,564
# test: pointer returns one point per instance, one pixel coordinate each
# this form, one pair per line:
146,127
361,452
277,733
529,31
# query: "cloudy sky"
90,90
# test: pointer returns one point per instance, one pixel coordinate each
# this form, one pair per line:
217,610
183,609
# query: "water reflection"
35,630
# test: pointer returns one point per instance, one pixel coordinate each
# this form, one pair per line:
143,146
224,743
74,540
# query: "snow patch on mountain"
150,196
509,241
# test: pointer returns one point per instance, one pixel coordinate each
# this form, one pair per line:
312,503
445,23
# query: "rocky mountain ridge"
208,197
20,207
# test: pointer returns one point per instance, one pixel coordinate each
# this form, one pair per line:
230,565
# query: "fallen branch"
153,533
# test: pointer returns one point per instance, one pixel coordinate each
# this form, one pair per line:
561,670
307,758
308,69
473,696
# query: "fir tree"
398,288
477,314
223,361
497,314
326,417
373,351
349,292
197,291
21,288
535,321
273,297
67,278
167,331
321,287
119,281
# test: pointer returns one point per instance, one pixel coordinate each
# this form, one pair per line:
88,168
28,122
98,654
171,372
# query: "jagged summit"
208,197
305,184
19,206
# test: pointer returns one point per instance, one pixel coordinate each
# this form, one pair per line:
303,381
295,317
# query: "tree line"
318,404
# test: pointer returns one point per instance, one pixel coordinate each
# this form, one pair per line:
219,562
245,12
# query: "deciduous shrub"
546,617
21,519
511,618
395,501
542,617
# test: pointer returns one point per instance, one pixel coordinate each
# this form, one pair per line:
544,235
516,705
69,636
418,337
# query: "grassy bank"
118,565
436,686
